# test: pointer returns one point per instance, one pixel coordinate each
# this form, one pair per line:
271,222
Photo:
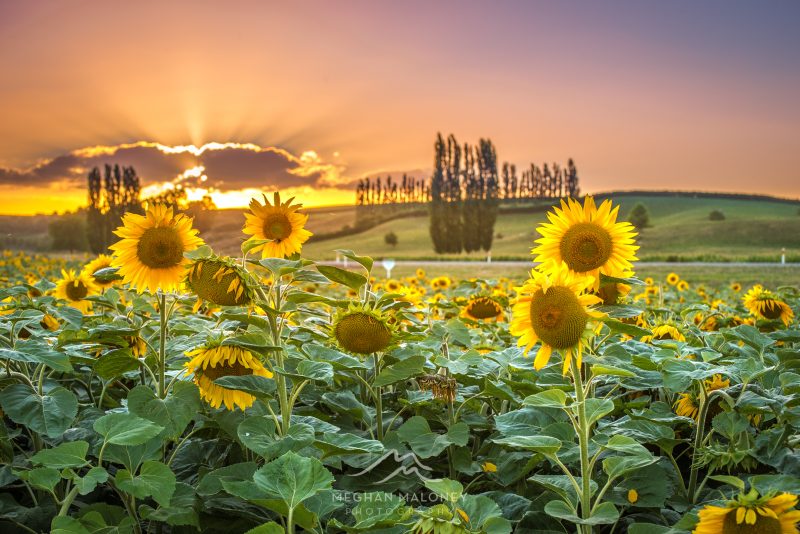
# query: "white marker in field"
388,264
783,256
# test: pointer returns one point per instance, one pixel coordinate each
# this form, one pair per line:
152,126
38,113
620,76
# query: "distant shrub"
639,216
716,215
68,232
390,239
499,236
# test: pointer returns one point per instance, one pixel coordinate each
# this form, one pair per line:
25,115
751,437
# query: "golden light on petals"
765,304
279,225
150,255
208,363
74,288
554,309
588,239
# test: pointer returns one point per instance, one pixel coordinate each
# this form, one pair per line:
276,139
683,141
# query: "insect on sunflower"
150,255
588,239
554,309
278,225
212,361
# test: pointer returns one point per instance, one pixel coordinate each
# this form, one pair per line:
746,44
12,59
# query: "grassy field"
773,276
754,230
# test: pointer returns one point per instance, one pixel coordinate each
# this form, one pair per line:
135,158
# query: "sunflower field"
166,389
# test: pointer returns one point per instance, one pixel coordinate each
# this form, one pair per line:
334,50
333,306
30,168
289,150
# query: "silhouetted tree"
639,216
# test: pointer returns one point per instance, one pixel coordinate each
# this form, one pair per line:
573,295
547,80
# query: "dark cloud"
231,167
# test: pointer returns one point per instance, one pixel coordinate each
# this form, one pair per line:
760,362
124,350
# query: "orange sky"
672,95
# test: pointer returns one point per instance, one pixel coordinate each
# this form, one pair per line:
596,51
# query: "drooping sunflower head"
279,225
751,513
150,255
212,361
482,308
612,292
362,330
48,322
74,288
102,261
220,281
588,239
664,332
765,304
553,308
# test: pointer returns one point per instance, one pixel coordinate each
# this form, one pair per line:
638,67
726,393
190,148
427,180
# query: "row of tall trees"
111,195
116,191
375,191
464,195
541,182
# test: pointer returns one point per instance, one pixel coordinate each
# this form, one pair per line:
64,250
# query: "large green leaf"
34,352
426,443
542,444
342,276
258,434
154,479
172,413
402,370
50,414
124,428
293,478
69,454
337,444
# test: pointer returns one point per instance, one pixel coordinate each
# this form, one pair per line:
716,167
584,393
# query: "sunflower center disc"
277,227
77,290
586,246
483,308
557,317
361,333
159,248
771,309
226,369
763,525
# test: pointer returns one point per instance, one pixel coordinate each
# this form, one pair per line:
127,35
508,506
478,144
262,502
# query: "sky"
235,98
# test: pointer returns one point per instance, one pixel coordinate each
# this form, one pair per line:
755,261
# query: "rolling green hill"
753,230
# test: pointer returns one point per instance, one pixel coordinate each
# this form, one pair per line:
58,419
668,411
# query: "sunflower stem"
378,394
162,346
583,443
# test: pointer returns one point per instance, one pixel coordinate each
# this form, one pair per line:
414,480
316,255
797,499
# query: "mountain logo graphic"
414,469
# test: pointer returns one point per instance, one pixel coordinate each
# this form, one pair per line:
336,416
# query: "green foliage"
639,216
68,232
390,239
716,215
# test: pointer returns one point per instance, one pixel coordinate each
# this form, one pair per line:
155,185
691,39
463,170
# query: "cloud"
215,166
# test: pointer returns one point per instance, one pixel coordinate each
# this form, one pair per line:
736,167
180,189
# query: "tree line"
112,192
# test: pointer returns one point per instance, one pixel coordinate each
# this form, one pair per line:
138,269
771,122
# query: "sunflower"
648,281
441,282
74,288
482,308
765,304
673,279
553,309
736,287
362,330
420,273
683,285
150,253
588,239
392,285
49,322
612,292
664,332
220,281
751,513
688,403
102,261
633,496
213,361
279,225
